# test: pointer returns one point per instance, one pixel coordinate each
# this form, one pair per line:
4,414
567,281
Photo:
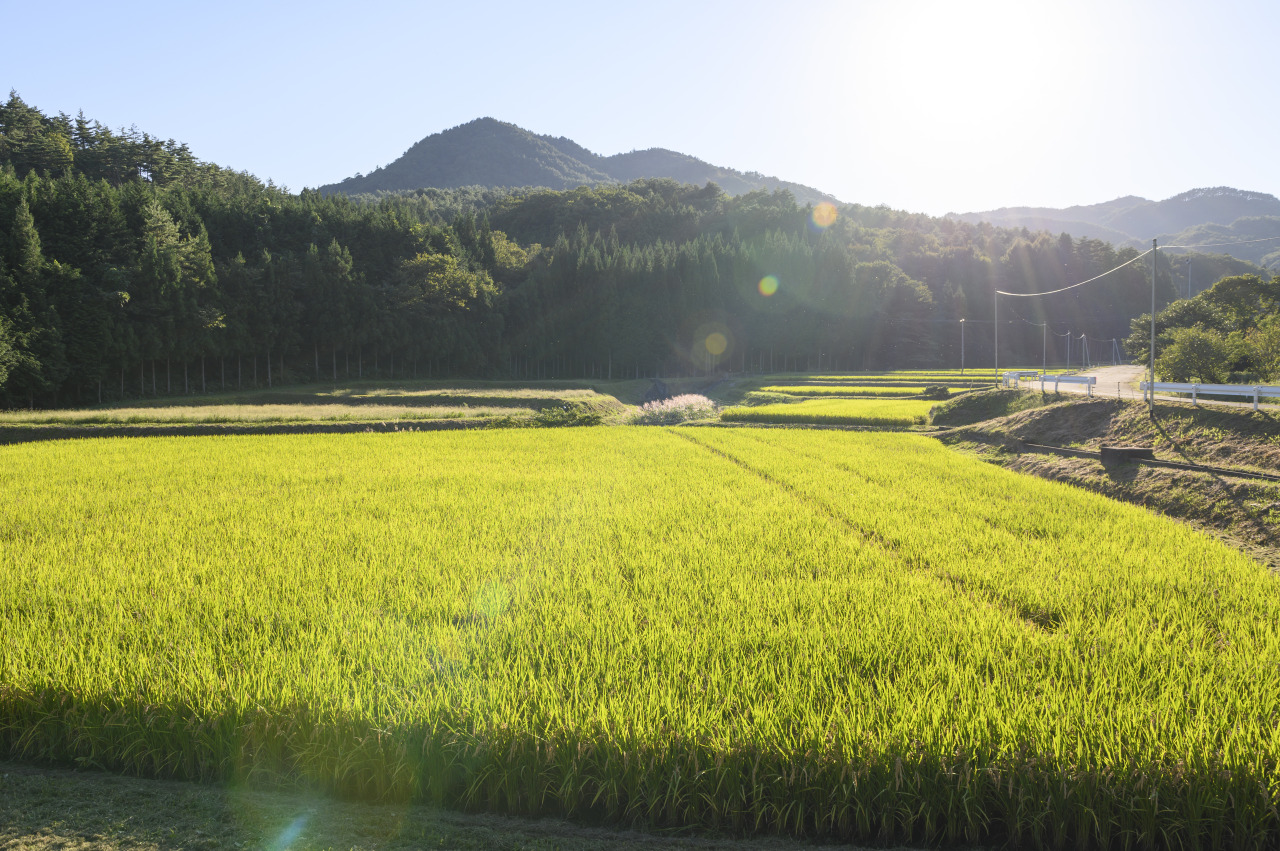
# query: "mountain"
488,152
1217,214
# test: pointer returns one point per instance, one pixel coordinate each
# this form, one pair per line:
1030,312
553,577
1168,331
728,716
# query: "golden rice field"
855,412
930,375
821,633
868,390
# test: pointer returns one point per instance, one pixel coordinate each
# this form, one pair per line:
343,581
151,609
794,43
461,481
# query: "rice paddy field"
851,635
929,376
851,390
895,413
345,404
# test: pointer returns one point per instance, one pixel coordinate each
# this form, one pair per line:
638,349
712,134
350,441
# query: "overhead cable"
1220,244
1082,283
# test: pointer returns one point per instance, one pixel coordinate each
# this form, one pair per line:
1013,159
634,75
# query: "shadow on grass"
904,793
43,809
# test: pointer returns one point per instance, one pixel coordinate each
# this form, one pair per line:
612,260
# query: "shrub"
1195,354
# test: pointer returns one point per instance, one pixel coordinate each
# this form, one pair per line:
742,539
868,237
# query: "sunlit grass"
859,412
854,635
867,390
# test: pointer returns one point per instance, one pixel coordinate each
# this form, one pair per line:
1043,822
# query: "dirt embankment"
1243,511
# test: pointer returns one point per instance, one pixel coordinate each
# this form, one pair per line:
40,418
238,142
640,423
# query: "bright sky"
925,105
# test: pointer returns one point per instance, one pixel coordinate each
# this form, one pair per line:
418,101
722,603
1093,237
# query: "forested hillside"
491,153
128,268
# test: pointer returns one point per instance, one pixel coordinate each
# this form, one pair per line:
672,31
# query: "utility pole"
1044,347
1151,402
1188,276
997,327
962,347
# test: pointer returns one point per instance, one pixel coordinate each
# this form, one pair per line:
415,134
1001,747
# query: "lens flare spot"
769,284
824,215
290,834
717,343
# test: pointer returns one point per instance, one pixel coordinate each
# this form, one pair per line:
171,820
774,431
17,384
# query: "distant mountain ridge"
488,152
1214,214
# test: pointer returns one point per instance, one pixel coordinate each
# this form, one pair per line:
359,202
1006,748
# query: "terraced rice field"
339,405
898,413
864,390
822,633
931,376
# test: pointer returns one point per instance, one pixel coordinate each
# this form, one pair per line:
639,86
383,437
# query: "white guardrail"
1088,380
1011,379
1254,391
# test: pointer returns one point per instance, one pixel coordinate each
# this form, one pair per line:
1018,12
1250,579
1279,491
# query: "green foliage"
8,355
138,268
1228,315
1194,354
1263,347
568,414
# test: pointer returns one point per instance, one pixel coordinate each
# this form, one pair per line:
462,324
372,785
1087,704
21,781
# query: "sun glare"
956,96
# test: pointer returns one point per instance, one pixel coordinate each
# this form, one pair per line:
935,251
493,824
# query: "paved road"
1122,382
1113,381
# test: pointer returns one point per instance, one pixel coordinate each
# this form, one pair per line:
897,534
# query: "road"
1121,382
1113,382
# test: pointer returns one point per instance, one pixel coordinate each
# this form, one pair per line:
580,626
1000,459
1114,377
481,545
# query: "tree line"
128,269
1228,334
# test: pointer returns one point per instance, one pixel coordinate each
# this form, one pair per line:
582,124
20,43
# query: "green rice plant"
850,390
859,636
858,412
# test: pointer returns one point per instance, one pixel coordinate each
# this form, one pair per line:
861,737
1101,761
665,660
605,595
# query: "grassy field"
931,376
858,412
354,403
851,635
851,390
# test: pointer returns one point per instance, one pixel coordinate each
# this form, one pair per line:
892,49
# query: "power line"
1220,244
1082,283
